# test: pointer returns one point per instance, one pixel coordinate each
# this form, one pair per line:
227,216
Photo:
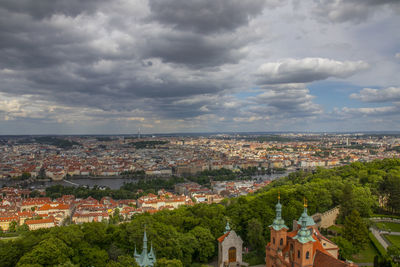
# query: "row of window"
291,248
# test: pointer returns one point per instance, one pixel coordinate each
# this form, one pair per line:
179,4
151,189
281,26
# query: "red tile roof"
221,238
48,220
322,259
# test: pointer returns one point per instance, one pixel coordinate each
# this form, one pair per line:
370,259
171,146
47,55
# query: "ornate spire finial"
305,202
227,227
279,195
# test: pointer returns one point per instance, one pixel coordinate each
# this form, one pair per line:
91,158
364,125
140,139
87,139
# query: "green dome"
305,217
278,222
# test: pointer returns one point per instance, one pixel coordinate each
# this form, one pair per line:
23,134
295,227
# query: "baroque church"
304,246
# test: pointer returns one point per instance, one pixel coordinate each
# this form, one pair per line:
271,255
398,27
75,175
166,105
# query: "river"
113,183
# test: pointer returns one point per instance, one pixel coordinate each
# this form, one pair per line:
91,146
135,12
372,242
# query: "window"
291,247
273,240
307,255
281,242
298,254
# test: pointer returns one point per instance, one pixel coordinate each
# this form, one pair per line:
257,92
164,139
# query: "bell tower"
303,245
278,235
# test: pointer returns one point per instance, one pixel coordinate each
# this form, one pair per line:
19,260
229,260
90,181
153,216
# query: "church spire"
144,241
145,259
304,235
278,223
227,227
135,253
304,216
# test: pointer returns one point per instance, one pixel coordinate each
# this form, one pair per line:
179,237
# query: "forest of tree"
188,235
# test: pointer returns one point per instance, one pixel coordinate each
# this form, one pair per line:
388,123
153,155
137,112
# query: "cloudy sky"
109,67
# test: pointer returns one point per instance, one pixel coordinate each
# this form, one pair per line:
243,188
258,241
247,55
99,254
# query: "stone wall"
326,219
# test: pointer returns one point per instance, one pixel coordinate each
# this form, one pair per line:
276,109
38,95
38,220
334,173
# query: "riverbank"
113,182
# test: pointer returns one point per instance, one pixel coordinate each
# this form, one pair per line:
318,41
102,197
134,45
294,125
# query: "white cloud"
389,94
307,70
371,111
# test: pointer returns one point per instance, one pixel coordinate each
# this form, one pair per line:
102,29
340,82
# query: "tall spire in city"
278,222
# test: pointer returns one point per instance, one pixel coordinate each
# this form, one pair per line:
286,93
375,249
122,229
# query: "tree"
255,235
25,176
12,227
355,230
126,260
71,235
22,228
346,248
67,264
116,217
205,247
394,252
49,252
188,244
91,256
355,197
163,262
393,189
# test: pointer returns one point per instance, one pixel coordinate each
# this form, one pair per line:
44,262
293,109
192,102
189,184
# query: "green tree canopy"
355,230
49,252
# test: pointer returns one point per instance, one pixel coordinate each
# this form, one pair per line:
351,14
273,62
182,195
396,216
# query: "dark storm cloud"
173,60
207,16
194,50
28,43
45,8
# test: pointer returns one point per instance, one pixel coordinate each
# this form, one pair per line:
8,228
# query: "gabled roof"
221,238
322,259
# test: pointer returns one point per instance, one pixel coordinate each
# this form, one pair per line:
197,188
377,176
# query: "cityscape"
200,133
110,156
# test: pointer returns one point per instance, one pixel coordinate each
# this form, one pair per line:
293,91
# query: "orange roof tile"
48,220
221,238
321,260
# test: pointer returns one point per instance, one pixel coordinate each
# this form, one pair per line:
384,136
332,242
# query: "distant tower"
138,133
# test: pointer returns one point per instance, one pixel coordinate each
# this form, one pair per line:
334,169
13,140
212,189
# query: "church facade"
230,248
302,247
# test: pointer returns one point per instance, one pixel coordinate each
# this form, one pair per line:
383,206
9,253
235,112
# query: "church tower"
278,235
303,242
145,259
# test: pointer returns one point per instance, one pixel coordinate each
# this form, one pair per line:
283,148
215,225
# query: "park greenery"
50,140
187,235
